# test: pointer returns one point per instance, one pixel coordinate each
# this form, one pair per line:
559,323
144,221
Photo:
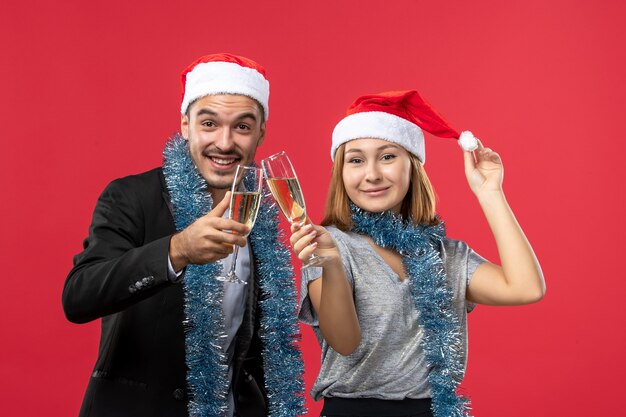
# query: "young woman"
389,301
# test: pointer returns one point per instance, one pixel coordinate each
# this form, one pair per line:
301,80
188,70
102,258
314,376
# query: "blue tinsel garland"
418,245
204,323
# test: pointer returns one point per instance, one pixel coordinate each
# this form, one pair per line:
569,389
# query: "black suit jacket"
122,277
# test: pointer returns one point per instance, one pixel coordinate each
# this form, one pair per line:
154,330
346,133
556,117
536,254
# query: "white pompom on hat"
224,74
399,117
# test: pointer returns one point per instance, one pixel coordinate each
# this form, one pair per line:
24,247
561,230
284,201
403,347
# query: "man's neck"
217,195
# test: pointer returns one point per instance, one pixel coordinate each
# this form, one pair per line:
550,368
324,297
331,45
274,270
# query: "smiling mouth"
375,192
223,161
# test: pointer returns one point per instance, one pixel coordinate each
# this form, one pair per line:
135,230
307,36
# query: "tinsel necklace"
443,337
204,322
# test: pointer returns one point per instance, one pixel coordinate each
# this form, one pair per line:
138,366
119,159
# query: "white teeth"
222,161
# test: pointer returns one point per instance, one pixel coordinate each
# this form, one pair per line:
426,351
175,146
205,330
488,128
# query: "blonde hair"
418,204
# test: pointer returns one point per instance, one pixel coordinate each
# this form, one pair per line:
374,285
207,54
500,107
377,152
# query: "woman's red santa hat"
224,74
399,117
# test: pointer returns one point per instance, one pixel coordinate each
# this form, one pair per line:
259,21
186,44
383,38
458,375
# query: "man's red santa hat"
224,74
399,117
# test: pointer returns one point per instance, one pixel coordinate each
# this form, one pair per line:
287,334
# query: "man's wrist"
172,275
177,259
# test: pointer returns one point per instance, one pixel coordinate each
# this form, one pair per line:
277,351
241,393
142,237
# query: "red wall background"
90,92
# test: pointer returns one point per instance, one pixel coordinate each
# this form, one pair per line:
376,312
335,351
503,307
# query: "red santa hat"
399,117
224,74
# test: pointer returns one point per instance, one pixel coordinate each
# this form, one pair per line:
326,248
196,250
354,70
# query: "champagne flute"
244,206
283,183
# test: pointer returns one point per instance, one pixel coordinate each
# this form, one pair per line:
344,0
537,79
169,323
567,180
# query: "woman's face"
376,174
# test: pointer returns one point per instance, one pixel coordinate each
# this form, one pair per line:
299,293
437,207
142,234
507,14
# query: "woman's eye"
355,161
388,157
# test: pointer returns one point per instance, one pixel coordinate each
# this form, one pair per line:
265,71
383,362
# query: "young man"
176,341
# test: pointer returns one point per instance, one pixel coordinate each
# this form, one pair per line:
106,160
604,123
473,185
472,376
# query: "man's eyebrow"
242,116
202,112
246,116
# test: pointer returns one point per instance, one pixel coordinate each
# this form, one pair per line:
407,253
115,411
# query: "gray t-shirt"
389,362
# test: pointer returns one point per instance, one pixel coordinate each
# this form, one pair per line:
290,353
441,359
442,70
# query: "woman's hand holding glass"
308,240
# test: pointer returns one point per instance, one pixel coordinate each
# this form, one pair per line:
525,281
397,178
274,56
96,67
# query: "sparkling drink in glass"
283,183
245,199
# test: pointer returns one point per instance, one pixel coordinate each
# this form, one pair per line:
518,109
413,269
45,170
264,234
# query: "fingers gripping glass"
283,183
244,206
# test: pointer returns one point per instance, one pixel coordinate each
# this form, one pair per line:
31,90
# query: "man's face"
223,131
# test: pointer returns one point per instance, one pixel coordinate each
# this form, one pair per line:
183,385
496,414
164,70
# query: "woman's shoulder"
345,237
452,246
334,231
455,252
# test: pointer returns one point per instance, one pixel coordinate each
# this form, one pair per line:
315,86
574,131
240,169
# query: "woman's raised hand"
484,170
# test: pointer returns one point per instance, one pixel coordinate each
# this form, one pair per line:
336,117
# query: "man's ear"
262,136
184,126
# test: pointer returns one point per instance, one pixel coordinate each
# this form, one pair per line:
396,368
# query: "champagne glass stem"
231,276
233,263
313,260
